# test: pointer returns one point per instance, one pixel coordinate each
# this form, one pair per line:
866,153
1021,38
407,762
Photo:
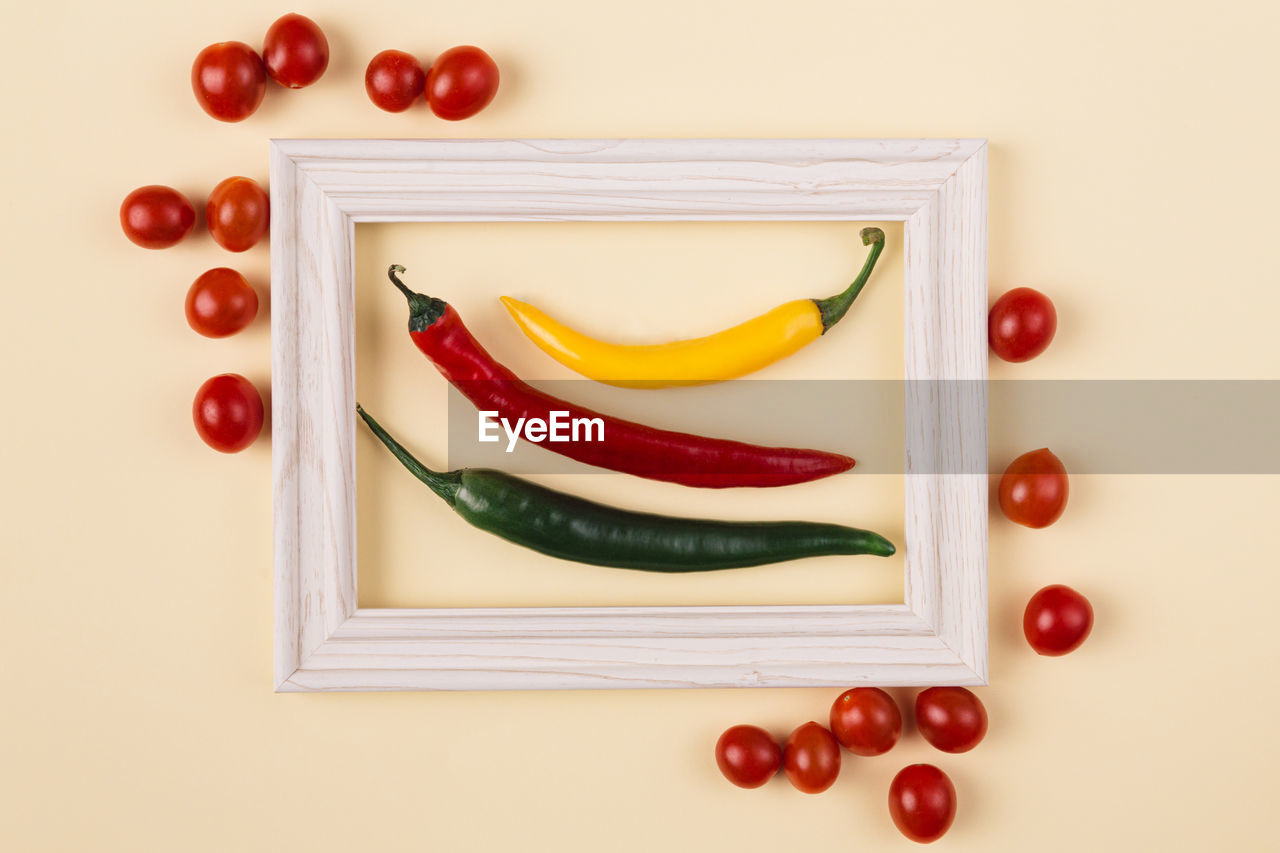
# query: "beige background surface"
630,281
1132,177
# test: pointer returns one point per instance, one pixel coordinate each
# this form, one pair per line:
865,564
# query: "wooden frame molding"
321,188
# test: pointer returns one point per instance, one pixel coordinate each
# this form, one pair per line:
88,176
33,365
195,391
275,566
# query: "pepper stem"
423,310
443,483
833,308
395,279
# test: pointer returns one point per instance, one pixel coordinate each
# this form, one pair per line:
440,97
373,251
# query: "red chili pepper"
626,446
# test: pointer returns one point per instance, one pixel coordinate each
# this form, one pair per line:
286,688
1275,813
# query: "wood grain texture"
514,180
321,188
946,412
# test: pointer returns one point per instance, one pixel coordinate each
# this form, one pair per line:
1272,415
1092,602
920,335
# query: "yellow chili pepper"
728,354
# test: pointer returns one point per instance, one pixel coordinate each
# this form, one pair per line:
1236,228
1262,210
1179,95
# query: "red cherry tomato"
1021,324
1034,489
462,81
951,718
156,217
295,51
811,758
748,756
227,412
238,213
229,80
922,802
220,303
394,80
1057,620
866,721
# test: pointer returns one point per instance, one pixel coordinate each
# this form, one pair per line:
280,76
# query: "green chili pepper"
587,532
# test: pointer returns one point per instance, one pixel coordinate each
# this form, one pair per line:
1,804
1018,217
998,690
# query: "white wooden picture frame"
321,188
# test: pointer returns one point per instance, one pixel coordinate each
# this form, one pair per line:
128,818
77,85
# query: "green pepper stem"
833,308
443,483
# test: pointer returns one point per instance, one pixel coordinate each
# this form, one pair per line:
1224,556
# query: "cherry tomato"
238,213
866,721
1057,620
295,51
227,412
748,756
229,80
1034,489
156,217
220,303
922,802
394,80
1021,324
462,81
951,718
811,758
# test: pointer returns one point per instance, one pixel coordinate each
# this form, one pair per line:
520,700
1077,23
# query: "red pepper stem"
397,268
833,308
415,299
443,483
423,310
